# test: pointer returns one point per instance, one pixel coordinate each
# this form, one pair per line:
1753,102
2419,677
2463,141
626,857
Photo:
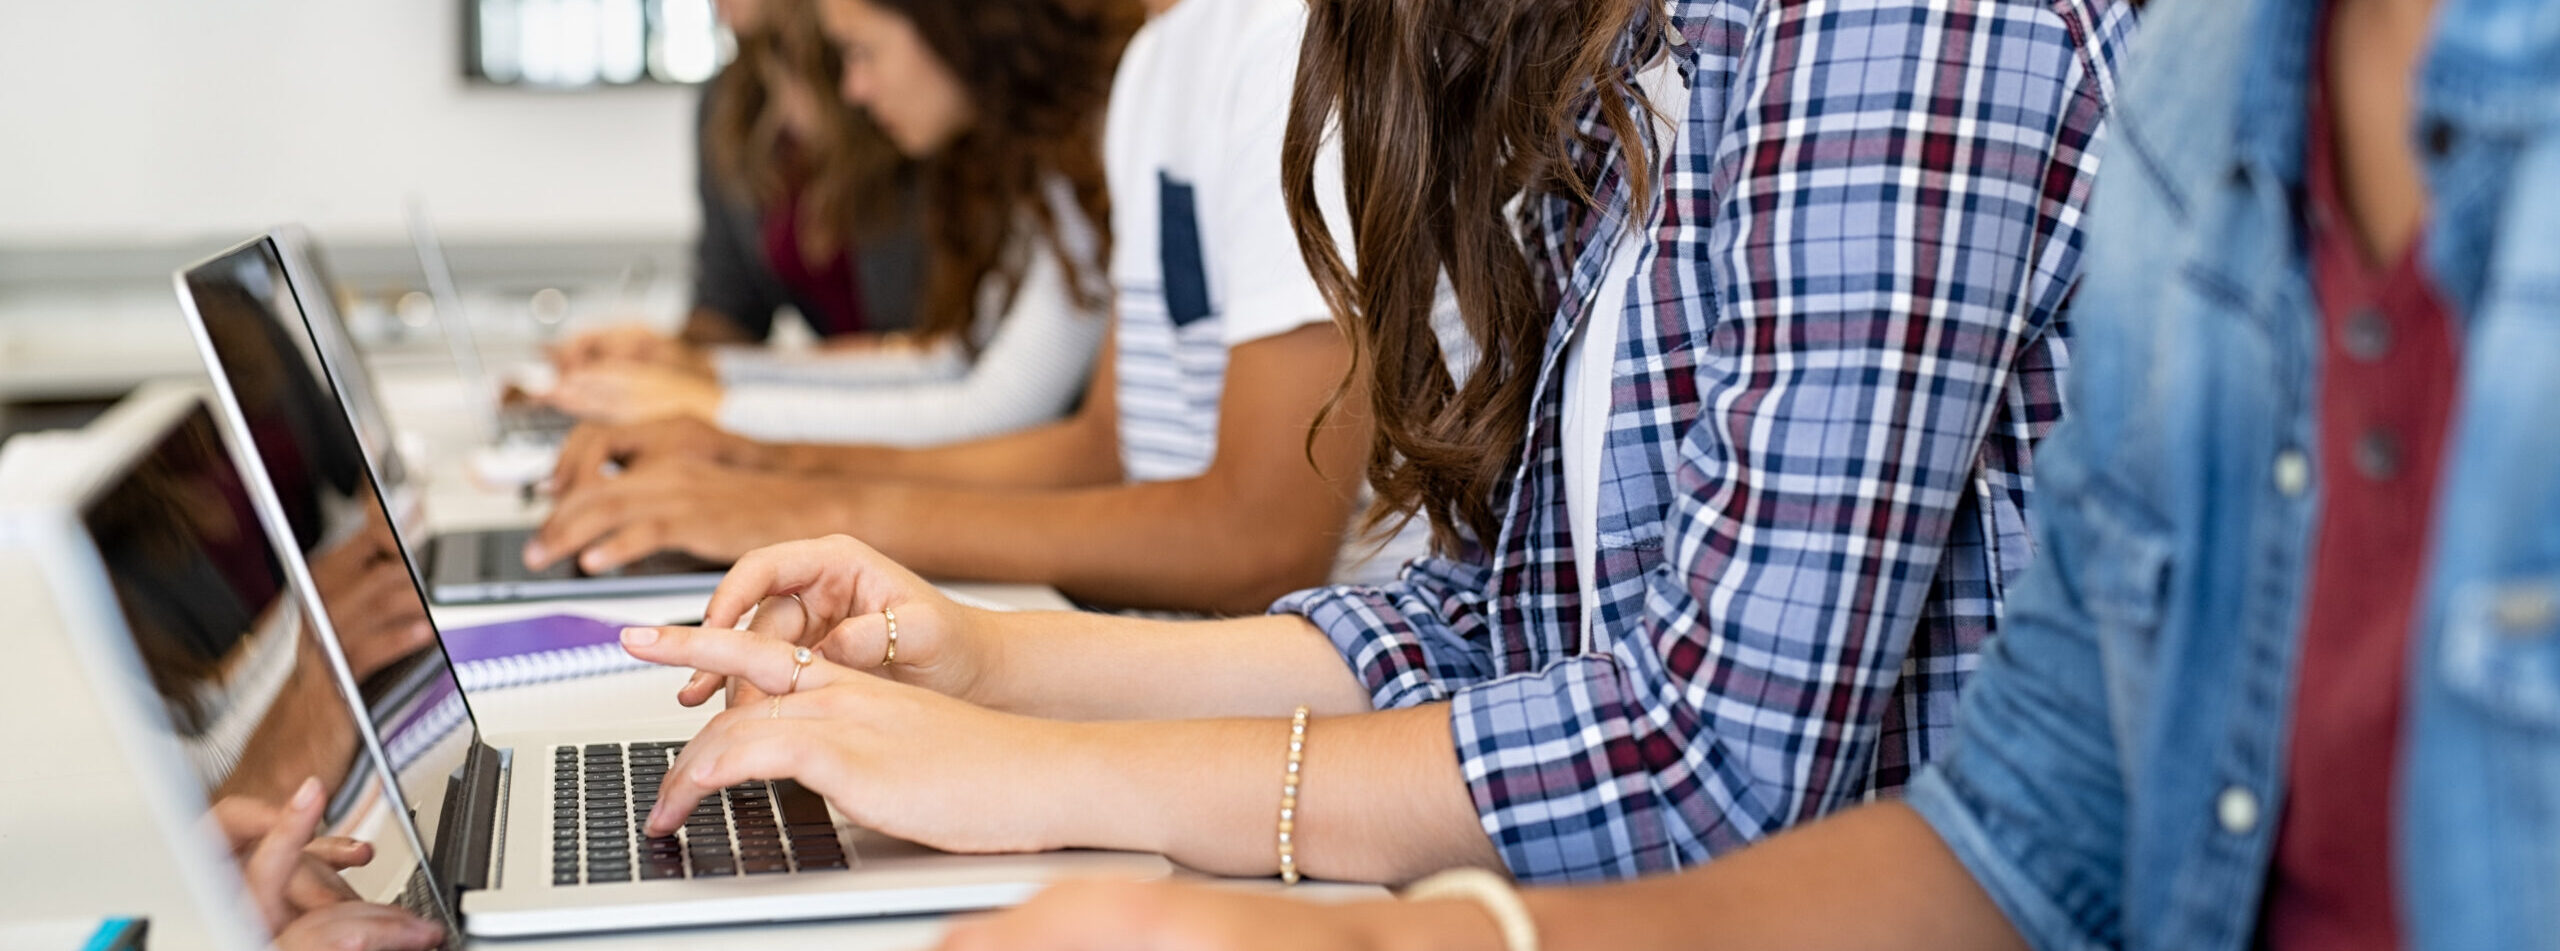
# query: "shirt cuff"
1941,802
1545,790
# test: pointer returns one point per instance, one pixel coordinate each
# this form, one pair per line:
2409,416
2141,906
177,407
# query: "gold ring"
892,656
800,658
773,711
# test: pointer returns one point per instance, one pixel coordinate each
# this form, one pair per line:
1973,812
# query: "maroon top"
835,289
2389,365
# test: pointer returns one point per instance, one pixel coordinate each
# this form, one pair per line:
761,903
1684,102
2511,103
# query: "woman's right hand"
292,879
627,343
594,451
845,592
359,926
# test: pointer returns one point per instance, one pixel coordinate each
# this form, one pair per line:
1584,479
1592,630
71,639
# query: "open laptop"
262,320
538,838
511,420
151,559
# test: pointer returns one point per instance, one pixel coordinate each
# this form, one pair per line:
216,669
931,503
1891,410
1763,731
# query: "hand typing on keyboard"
902,760
292,878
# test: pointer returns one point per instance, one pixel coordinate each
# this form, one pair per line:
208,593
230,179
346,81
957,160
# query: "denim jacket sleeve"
2031,798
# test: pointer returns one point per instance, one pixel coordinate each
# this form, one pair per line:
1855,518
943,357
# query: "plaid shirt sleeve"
1876,214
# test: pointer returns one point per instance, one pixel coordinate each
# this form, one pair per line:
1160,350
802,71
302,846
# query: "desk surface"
94,852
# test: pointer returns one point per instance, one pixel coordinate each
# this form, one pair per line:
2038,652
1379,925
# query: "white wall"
126,122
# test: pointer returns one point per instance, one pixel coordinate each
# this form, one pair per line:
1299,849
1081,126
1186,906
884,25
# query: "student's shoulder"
1231,27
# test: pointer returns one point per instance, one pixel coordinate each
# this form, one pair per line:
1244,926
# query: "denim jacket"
2121,753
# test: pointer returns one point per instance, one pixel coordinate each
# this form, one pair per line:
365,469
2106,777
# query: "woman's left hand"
635,393
902,760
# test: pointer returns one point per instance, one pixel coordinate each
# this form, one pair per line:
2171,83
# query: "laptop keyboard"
600,799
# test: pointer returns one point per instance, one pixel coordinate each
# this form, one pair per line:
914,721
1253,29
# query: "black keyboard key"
564,878
816,863
817,849
717,869
657,872
799,803
764,866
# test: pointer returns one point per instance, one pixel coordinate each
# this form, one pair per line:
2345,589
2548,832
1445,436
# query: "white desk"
79,844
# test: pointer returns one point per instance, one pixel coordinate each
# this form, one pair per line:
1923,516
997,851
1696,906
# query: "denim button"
2293,472
2366,336
2237,810
2378,455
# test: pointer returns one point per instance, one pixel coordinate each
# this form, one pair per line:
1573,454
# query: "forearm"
707,327
1194,544
1380,798
1083,666
1070,452
1877,877
305,734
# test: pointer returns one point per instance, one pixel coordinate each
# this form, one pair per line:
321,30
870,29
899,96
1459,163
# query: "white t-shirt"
1203,257
1590,359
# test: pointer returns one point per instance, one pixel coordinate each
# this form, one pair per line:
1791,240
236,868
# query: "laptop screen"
263,349
248,694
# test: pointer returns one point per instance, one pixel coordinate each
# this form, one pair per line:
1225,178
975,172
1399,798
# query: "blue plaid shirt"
1843,341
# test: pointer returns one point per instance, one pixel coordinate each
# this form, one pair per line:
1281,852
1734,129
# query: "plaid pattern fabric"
1841,346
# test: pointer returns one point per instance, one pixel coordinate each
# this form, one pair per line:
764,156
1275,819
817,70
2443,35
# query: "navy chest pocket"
1186,269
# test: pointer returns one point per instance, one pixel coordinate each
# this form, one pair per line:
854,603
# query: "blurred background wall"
139,135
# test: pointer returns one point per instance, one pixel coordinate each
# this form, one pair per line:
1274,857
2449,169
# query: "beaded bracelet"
1289,797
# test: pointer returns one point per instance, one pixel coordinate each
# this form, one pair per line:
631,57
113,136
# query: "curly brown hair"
848,178
1038,74
1449,112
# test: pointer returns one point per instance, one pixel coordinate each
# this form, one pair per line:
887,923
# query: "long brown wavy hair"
1448,112
848,179
1038,74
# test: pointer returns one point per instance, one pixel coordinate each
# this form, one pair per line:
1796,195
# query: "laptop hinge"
464,843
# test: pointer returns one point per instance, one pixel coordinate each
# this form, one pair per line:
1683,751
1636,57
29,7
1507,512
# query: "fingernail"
308,794
535,553
641,637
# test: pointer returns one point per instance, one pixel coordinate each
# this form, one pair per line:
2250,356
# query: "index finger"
771,571
762,661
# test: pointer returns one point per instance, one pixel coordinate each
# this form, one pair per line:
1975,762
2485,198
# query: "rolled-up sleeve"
1411,642
2031,798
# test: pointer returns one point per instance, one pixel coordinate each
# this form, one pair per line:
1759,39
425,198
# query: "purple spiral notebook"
533,650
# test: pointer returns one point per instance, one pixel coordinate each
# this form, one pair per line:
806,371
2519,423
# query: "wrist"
1094,799
974,641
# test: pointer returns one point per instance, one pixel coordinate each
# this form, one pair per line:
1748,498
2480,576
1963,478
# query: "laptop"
511,420
149,556
262,319
541,837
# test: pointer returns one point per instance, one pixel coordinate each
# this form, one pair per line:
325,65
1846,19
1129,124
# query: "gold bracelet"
1289,797
1493,892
